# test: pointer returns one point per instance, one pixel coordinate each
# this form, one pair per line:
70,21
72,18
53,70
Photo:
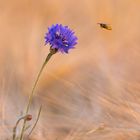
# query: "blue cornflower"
61,38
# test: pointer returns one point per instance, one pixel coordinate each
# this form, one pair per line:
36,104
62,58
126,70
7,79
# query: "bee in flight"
105,26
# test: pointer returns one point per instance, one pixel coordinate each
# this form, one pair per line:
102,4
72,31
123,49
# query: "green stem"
38,116
32,93
15,128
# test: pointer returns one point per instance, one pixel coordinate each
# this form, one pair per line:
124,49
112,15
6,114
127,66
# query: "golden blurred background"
91,93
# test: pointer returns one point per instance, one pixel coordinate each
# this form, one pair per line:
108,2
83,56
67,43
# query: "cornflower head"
61,38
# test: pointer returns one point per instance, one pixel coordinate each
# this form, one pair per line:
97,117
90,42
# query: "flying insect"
105,26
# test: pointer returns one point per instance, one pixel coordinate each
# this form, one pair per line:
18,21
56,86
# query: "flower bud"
28,117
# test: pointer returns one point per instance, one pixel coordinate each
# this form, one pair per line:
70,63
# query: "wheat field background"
93,93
